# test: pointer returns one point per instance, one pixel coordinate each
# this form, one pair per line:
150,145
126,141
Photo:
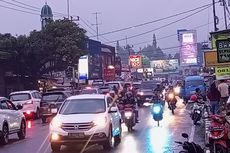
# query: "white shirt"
223,89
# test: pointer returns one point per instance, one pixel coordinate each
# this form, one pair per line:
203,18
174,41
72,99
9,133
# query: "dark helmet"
197,90
128,94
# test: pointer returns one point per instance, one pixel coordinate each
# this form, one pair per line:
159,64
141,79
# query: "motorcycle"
171,99
157,110
196,114
189,147
129,116
219,137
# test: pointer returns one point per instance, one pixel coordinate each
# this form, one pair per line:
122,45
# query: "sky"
116,14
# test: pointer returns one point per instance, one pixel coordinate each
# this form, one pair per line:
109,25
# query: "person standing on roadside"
224,92
214,97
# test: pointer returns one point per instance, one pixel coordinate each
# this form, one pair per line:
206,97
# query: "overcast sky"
116,14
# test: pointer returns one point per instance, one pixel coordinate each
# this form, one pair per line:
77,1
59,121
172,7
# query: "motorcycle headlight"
156,109
177,90
171,95
128,114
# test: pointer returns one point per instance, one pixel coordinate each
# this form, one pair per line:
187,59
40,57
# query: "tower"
46,15
154,41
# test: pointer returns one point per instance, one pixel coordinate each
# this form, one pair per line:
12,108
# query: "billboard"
135,61
165,66
222,73
210,58
188,50
223,50
83,68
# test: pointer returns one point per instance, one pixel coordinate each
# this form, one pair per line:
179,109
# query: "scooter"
129,117
219,137
157,111
197,112
189,147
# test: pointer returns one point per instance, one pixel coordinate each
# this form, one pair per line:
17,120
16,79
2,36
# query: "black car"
51,102
145,91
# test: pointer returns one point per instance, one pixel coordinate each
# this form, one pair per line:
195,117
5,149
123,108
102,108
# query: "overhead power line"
171,35
154,21
161,27
24,7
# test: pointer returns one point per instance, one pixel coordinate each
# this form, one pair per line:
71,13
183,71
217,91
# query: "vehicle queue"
96,114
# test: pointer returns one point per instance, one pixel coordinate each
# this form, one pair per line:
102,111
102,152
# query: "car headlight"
141,93
156,109
128,114
56,123
101,121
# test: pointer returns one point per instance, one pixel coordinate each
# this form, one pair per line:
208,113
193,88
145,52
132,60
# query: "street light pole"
225,16
68,8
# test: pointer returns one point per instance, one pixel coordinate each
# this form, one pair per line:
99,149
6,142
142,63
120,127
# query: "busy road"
147,136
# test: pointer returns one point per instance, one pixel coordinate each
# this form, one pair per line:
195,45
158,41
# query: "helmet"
193,98
128,94
112,93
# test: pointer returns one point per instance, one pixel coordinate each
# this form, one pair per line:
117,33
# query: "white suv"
86,118
11,120
30,100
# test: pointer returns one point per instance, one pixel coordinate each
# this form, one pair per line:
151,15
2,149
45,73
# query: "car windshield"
113,84
194,83
83,106
20,97
53,97
89,91
148,85
97,83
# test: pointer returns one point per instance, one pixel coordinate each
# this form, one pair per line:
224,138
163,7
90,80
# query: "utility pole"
225,16
97,24
68,8
214,15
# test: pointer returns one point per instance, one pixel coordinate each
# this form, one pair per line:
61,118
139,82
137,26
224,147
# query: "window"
20,97
38,95
83,106
6,105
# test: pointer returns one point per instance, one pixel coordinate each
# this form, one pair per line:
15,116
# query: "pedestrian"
224,93
214,98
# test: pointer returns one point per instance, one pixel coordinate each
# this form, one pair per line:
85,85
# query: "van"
190,85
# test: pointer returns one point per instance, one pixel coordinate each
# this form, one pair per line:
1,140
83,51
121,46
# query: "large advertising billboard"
165,66
135,61
83,68
188,50
222,73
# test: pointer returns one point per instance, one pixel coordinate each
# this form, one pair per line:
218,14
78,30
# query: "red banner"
109,74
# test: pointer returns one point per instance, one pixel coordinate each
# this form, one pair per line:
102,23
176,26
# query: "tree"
56,47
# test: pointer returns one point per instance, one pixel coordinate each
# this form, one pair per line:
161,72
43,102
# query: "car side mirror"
19,107
113,110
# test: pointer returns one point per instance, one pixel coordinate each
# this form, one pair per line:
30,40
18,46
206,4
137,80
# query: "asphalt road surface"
146,137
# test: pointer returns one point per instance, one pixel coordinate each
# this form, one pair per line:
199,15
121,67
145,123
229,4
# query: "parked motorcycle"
189,147
219,137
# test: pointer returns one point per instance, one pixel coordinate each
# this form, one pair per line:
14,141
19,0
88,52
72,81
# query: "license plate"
76,135
54,110
197,111
147,99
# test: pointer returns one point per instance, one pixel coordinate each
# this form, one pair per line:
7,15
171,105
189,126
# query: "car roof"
190,78
114,82
2,98
26,91
88,96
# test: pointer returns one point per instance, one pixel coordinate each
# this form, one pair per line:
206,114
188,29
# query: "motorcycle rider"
158,89
112,94
129,99
170,91
199,95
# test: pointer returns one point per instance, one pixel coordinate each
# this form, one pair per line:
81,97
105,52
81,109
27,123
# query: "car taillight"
29,102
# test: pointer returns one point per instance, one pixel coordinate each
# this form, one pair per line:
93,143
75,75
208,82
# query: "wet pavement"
146,137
